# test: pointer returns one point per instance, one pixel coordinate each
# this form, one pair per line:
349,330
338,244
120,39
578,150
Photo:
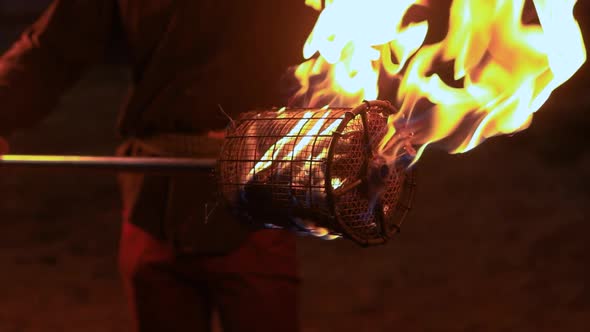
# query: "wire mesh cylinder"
314,171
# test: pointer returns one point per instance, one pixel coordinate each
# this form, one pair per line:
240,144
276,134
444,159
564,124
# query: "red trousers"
253,288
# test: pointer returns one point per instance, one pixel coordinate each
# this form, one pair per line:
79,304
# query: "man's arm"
49,57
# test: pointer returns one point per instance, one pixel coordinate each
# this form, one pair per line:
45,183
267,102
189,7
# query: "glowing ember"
504,68
336,183
290,146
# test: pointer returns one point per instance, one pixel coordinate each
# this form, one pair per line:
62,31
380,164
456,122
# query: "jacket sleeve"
49,57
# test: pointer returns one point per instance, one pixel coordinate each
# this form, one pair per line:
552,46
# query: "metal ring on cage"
317,171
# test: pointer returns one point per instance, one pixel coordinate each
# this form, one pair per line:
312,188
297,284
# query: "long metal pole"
112,164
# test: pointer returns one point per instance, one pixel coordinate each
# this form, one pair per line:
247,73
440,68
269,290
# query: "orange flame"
504,69
348,68
300,135
314,128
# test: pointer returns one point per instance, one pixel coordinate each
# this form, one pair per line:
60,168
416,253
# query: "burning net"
315,171
338,171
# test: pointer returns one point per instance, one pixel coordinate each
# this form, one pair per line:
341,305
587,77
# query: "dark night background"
498,239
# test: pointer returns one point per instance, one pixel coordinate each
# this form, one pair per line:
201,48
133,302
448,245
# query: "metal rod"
162,165
346,188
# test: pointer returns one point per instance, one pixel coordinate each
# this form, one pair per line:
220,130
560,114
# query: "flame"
313,129
278,148
345,35
304,132
503,69
315,4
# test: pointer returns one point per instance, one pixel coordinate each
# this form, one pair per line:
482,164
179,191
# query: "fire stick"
112,164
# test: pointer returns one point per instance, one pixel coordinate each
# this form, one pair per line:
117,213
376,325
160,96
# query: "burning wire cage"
317,171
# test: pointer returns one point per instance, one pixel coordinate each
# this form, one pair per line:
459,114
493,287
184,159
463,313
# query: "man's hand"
4,147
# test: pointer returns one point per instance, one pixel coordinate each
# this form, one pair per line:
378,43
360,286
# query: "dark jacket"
186,57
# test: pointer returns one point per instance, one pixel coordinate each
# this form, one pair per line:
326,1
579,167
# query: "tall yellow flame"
503,68
351,37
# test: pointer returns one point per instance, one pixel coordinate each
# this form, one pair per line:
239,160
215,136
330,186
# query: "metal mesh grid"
280,167
354,208
279,157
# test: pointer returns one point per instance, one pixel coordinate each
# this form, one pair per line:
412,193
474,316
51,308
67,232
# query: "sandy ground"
497,240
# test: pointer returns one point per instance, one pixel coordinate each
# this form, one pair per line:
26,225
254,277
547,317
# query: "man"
186,57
